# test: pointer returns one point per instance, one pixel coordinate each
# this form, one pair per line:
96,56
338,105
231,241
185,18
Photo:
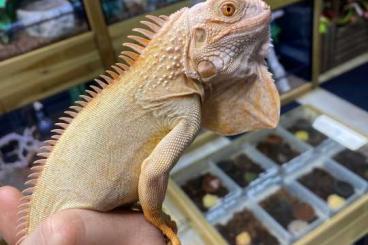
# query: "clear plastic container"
29,25
353,161
293,190
201,168
301,149
339,173
186,232
299,122
224,215
237,148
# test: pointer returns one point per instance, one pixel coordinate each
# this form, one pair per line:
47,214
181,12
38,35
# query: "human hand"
78,226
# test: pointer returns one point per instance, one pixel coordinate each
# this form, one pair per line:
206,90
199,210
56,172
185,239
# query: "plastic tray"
274,177
202,167
338,172
292,188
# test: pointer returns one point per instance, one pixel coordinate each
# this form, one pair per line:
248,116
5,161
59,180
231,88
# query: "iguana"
202,66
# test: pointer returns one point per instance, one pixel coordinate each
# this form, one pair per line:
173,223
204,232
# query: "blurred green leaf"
2,3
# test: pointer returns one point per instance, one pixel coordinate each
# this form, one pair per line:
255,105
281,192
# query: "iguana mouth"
252,23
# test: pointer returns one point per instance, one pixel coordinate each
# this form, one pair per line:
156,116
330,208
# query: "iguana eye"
228,9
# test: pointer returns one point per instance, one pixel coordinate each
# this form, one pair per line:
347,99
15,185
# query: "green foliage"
275,32
7,16
2,4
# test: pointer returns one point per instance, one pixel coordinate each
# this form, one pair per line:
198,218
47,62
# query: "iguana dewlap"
202,66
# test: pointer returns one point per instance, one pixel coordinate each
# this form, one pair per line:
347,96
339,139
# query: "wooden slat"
295,93
100,31
48,70
276,4
343,68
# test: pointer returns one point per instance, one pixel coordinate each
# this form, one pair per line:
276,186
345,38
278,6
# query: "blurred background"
305,182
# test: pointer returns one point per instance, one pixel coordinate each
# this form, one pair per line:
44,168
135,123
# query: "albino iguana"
202,66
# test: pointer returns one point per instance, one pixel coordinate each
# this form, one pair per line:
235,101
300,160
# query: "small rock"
304,212
250,176
296,226
211,184
243,238
210,201
302,135
335,201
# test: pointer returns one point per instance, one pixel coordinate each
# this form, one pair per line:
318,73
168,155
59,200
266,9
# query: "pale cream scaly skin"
204,66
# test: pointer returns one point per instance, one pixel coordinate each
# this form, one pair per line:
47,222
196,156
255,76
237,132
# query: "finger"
122,228
89,227
9,200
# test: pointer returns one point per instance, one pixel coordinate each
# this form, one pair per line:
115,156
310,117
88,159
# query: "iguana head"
228,38
228,43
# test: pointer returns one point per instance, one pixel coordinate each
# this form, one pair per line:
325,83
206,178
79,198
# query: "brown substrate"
245,221
357,162
276,148
241,169
22,43
314,137
285,208
324,184
202,185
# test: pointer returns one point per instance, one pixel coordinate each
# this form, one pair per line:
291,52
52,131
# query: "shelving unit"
341,69
59,66
48,70
56,67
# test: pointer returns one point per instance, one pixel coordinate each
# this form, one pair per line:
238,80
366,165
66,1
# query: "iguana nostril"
206,69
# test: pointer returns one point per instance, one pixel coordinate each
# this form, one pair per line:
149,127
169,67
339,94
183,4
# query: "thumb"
9,200
90,227
63,228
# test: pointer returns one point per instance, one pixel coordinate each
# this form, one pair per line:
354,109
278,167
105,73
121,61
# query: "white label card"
340,133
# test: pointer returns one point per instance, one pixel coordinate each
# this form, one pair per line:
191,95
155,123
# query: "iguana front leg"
155,170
